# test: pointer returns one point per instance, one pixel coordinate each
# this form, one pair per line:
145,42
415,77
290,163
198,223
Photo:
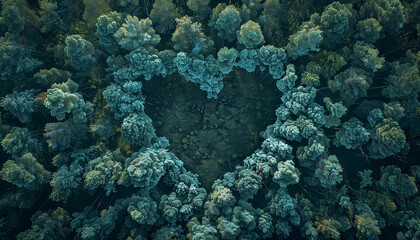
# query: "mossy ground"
212,136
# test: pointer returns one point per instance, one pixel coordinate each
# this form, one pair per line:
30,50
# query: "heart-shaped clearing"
212,136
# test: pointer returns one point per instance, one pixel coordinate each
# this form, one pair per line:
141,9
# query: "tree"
387,139
63,98
250,35
163,15
20,104
25,172
352,134
227,23
389,13
137,128
189,37
286,174
80,52
328,172
137,34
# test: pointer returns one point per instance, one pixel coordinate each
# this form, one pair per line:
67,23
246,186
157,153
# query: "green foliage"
365,175
168,64
273,19
189,37
92,224
129,6
277,148
316,113
368,30
375,116
393,110
228,23
20,104
63,135
62,98
310,78
137,34
137,128
328,227
47,77
104,126
307,39
265,224
298,98
163,15
80,52
167,232
309,154
145,168
141,63
329,62
19,141
367,226
94,9
296,130
409,222
387,139
273,58
221,198
352,84
412,14
142,210
125,99
261,162
248,184
253,200
15,59
65,181
106,27
328,172
25,172
49,16
250,35
104,171
352,134
378,202
215,13
248,59
48,225
395,182
254,7
203,231
365,56
201,8
285,207
10,17
202,71
288,81
286,174
226,59
389,13
404,82
183,202
245,13
336,20
337,110
228,229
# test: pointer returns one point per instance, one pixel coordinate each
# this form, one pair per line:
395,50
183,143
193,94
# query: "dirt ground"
212,136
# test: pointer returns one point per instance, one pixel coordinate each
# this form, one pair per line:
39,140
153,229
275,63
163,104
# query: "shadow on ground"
212,136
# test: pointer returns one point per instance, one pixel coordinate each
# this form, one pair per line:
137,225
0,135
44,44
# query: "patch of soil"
212,136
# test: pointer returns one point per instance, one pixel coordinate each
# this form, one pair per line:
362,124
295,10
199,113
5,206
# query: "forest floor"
212,136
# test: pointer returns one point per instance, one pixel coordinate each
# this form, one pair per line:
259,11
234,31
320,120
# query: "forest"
205,120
